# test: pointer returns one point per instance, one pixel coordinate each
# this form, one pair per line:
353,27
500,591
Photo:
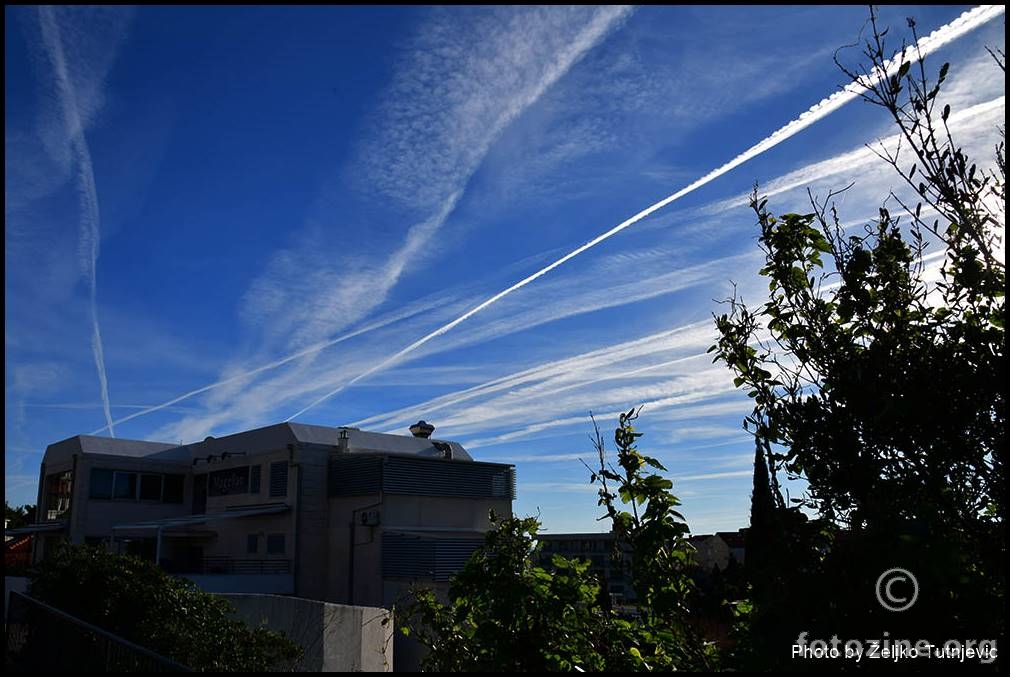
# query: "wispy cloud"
864,164
38,377
927,45
669,372
463,81
99,405
713,476
239,377
74,117
540,458
18,483
696,388
653,271
551,378
454,94
626,95
586,487
633,275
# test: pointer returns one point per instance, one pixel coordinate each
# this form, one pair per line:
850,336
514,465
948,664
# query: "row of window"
572,546
275,544
168,488
247,480
135,486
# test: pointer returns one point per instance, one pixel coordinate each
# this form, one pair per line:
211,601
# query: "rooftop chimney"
422,429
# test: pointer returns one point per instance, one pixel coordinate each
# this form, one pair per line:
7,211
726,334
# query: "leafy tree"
138,601
884,393
20,516
506,613
656,535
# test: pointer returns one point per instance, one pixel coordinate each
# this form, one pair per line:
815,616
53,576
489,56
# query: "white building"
333,514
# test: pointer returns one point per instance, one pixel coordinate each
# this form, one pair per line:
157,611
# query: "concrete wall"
399,512
465,516
232,535
335,637
366,568
311,546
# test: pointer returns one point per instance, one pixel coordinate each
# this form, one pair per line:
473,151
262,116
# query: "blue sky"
294,205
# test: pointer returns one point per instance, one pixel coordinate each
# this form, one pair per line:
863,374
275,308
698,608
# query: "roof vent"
422,429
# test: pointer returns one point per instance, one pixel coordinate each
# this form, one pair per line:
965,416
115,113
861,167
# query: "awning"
36,528
191,520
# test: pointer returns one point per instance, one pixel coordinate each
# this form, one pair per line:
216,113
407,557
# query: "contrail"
90,220
266,367
540,372
602,22
963,24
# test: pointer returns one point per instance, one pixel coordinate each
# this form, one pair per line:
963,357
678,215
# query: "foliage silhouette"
884,392
506,613
138,601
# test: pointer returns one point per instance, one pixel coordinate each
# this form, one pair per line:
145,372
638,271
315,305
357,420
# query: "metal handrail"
231,565
30,649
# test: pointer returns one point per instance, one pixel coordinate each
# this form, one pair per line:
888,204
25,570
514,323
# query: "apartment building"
609,562
334,514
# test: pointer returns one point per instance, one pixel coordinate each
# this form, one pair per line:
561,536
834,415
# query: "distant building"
710,552
737,542
716,551
612,567
334,514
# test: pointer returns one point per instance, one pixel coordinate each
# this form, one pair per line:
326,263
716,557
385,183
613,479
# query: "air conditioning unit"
369,518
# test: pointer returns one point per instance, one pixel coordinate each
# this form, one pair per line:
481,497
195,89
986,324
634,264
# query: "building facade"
333,514
610,562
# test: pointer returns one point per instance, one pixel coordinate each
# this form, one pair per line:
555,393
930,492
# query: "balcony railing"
42,638
230,565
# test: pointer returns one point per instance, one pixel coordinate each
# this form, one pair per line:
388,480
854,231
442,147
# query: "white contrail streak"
589,361
266,367
927,45
90,231
419,234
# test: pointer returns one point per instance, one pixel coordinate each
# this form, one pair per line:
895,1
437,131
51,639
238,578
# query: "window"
109,484
252,544
254,479
150,487
275,544
278,479
58,494
125,485
173,489
101,483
